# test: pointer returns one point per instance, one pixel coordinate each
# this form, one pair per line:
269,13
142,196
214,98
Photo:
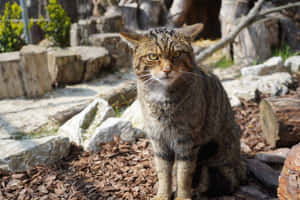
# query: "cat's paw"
160,198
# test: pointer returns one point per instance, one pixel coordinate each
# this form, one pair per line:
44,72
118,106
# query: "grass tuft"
224,63
284,51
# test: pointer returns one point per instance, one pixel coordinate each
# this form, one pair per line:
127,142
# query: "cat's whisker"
145,75
148,81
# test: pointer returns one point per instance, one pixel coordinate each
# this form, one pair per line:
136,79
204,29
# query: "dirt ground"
120,171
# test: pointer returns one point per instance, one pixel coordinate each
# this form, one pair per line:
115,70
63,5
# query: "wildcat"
187,113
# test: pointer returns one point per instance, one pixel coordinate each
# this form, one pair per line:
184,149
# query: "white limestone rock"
106,132
272,65
19,155
83,125
293,63
274,84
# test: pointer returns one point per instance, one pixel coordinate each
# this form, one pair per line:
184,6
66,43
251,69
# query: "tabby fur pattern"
188,116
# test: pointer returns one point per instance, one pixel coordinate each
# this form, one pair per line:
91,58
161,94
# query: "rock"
119,50
22,117
275,156
263,172
293,63
234,101
19,155
134,114
289,178
82,126
65,66
10,80
106,132
230,73
34,69
272,65
93,58
274,84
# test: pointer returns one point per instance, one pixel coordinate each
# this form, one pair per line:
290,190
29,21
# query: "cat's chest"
172,113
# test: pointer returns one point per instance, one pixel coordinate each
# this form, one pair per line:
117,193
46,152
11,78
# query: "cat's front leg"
185,172
164,164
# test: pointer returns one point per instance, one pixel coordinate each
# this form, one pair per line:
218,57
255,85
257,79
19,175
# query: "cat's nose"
167,69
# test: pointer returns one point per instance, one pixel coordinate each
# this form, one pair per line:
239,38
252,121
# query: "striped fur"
188,117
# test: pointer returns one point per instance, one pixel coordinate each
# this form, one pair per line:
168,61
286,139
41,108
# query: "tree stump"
280,120
289,184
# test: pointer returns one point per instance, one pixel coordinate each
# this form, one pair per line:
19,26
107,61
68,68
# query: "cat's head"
163,55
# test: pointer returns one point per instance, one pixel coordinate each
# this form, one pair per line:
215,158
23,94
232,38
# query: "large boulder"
82,126
19,155
10,80
272,65
34,69
108,130
118,49
94,59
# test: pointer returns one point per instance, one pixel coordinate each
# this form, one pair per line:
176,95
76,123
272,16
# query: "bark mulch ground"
120,171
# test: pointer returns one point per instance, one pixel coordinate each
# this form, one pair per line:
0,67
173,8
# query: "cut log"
289,184
280,120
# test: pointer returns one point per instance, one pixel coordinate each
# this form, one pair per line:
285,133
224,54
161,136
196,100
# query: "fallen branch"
244,22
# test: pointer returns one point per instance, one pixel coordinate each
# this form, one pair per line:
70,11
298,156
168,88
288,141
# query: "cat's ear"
131,38
191,31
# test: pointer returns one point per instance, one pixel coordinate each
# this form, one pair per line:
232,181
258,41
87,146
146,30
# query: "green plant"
11,28
284,51
57,29
224,63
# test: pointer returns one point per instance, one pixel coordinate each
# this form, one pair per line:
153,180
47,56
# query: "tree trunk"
179,11
252,45
280,120
227,16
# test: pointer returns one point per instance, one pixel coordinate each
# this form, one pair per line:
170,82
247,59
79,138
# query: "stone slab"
19,155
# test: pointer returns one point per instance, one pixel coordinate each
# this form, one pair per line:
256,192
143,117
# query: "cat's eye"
153,56
176,54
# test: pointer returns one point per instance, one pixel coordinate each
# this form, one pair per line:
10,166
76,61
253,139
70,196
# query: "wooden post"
25,20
